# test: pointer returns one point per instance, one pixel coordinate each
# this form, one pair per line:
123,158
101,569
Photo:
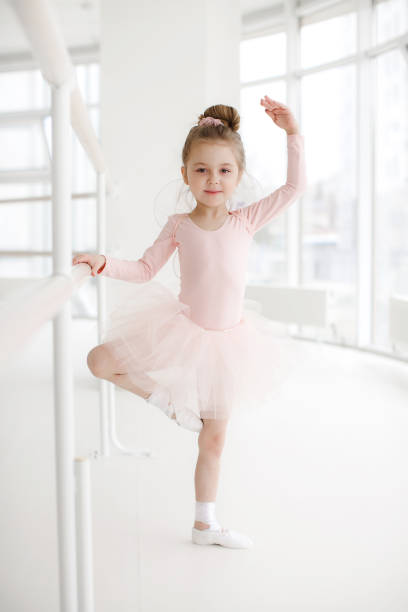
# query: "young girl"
202,354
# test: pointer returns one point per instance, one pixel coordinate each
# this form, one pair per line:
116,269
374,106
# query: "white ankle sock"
160,398
205,513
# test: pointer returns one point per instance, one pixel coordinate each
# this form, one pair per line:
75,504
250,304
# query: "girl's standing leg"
211,441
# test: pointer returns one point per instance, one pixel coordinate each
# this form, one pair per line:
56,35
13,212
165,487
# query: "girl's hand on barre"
281,115
95,261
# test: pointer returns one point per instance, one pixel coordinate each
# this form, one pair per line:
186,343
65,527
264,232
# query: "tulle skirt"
210,372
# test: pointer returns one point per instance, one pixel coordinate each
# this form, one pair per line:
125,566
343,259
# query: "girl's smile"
211,163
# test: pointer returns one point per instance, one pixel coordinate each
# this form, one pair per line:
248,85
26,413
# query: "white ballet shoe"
187,419
160,398
223,537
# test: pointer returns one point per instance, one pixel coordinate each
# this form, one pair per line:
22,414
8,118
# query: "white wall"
162,64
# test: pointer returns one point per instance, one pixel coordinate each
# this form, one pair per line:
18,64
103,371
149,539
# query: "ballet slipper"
222,537
187,419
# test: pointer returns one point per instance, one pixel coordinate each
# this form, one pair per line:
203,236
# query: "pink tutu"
211,372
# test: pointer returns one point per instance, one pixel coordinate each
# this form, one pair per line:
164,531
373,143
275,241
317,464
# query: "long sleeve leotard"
213,263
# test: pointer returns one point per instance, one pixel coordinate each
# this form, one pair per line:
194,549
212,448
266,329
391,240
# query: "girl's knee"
212,436
93,360
98,360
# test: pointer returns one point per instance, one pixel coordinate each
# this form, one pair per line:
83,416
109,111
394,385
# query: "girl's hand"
280,114
95,261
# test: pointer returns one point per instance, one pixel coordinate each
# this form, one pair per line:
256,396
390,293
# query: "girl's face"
212,173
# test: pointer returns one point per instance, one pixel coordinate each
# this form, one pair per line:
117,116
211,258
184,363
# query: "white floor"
319,481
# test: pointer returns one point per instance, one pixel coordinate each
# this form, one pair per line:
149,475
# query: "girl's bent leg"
103,365
211,441
122,380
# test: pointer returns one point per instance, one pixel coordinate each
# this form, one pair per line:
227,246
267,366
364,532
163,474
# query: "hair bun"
219,122
227,114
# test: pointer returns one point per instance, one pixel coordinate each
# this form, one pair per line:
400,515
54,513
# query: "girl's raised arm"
152,260
260,213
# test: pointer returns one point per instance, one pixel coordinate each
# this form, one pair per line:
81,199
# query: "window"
325,41
328,219
391,185
26,150
265,148
328,225
390,19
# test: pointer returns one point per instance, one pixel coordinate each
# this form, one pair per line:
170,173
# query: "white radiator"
291,304
398,319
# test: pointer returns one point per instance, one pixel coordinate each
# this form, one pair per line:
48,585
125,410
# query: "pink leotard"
213,263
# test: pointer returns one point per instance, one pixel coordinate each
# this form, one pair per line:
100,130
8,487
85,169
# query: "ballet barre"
32,305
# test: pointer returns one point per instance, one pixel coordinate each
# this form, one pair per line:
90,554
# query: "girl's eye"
226,169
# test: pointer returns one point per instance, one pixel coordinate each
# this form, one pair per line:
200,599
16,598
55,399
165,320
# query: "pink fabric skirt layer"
211,372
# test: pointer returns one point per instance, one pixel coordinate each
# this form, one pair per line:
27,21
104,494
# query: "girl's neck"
209,214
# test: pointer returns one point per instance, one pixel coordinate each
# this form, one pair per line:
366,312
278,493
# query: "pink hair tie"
210,121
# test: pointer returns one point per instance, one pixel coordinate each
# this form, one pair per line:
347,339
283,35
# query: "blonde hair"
228,132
